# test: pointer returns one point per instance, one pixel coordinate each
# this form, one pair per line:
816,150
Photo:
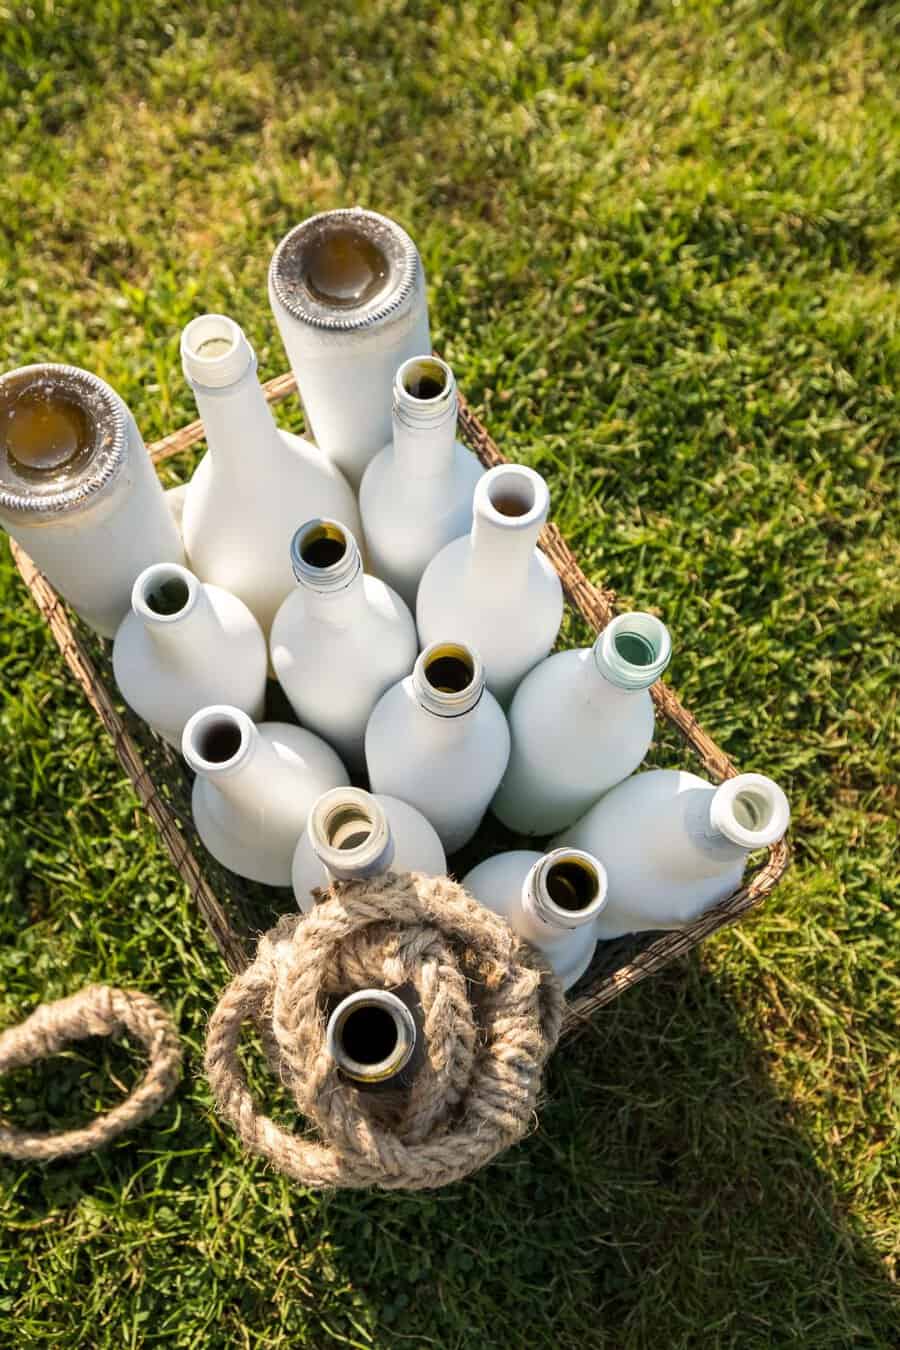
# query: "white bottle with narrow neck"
78,490
416,494
340,639
248,492
553,900
580,722
673,844
439,741
185,645
351,834
347,290
493,589
254,788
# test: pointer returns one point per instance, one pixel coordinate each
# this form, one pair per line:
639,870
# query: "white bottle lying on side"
493,589
552,899
340,639
184,646
255,482
439,741
254,788
352,834
673,844
580,722
416,494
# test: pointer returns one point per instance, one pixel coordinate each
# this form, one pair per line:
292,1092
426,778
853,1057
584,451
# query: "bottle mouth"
750,810
633,650
63,436
371,1036
512,496
424,392
325,556
448,679
345,269
350,834
215,352
164,593
569,887
216,740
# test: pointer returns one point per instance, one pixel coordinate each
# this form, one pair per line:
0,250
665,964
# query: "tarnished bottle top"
345,269
63,438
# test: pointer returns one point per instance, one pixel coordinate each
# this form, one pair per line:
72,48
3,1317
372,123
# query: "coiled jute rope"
97,1010
491,1013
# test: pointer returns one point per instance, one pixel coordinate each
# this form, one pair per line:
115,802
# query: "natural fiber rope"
492,1011
95,1011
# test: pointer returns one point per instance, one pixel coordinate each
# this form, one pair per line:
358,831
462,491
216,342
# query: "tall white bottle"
553,900
254,788
351,833
580,722
673,844
439,741
185,645
416,494
340,639
493,589
255,483
78,490
347,289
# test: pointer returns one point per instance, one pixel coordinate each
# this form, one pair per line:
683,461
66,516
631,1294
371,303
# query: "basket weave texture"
236,911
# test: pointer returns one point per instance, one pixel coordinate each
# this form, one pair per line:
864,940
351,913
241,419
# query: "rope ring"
97,1010
491,1014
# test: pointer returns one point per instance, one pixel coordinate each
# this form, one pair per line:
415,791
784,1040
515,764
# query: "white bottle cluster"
447,713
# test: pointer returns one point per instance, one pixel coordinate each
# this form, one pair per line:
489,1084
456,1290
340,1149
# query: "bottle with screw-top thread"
673,844
439,741
351,834
416,494
347,290
255,482
493,589
78,490
580,722
340,639
553,900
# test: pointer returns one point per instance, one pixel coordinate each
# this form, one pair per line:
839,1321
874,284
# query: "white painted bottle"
373,1038
439,741
416,495
347,289
351,834
553,900
673,844
256,482
185,645
580,722
254,788
493,589
78,490
340,639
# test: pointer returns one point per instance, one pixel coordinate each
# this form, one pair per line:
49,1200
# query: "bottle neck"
447,684
371,1036
564,890
223,745
425,405
174,609
220,366
510,507
326,561
350,834
632,652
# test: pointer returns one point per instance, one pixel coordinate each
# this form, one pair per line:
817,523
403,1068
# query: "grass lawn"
662,252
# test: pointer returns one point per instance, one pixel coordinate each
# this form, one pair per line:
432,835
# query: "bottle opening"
43,428
343,268
167,597
636,649
450,670
512,495
323,545
369,1034
424,378
219,740
572,885
211,336
752,810
348,828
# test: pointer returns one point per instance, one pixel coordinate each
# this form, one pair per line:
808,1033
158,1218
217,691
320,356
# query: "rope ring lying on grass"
97,1010
491,1013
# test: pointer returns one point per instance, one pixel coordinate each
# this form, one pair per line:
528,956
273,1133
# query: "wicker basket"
235,910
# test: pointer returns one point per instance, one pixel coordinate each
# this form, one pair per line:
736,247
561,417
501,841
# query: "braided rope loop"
491,1012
